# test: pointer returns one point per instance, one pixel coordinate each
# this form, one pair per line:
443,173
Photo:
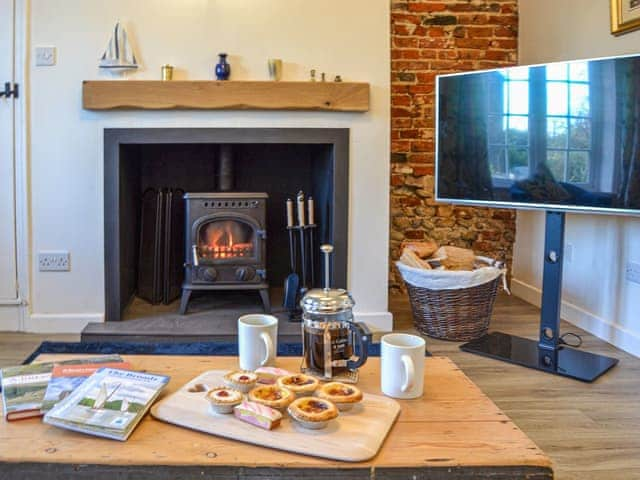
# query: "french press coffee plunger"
330,335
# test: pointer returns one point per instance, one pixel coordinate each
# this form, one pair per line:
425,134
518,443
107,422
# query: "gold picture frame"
625,16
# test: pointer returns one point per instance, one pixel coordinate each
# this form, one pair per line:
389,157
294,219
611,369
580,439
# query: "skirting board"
60,322
601,328
376,321
10,318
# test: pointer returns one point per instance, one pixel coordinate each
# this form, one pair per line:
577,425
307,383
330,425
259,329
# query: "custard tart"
241,380
312,412
344,396
300,384
272,396
223,399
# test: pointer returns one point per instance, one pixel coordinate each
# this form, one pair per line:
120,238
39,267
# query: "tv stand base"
572,363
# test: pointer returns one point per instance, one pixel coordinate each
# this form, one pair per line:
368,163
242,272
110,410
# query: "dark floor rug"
208,348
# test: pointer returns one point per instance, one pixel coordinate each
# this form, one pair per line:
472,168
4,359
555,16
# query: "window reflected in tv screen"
563,135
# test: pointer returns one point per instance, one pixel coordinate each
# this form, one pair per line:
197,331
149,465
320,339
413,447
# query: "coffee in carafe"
330,334
328,346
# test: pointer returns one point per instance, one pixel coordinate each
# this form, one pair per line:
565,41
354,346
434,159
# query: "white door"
8,273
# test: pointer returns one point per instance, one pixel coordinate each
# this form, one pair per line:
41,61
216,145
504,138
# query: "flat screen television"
562,137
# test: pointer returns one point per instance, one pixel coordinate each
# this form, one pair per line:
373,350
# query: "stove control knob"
245,274
209,274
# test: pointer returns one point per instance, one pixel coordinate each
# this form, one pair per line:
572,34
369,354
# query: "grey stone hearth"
212,319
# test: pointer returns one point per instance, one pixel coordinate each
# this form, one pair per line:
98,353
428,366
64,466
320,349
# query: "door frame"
21,164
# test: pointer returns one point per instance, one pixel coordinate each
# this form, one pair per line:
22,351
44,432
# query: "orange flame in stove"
220,241
220,234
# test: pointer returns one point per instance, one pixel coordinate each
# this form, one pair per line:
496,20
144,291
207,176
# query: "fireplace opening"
216,172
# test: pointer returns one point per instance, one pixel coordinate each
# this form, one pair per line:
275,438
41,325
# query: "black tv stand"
547,354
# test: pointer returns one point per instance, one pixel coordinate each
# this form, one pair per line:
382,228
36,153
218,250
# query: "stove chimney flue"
225,168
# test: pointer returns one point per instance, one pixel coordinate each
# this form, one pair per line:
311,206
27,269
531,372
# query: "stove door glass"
226,240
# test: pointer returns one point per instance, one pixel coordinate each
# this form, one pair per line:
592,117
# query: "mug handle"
268,346
409,372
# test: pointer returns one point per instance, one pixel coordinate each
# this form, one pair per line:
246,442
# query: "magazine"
24,386
66,378
109,403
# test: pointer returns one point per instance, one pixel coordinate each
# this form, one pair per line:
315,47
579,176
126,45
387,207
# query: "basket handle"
497,264
492,262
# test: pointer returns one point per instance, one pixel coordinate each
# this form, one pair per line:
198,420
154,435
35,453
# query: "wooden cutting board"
355,436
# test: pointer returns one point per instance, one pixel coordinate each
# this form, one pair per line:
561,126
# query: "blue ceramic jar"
223,69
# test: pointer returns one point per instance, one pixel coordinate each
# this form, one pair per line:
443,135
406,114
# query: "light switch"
45,56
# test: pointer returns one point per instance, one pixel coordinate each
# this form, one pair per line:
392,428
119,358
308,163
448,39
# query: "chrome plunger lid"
320,300
327,300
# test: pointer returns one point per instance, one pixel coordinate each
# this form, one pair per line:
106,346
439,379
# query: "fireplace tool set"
303,234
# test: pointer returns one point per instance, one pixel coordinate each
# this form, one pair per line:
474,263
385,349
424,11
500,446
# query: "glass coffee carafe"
331,338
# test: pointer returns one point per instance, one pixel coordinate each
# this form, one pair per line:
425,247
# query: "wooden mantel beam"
226,95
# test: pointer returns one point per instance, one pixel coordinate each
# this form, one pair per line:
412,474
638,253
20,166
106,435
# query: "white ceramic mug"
402,365
257,340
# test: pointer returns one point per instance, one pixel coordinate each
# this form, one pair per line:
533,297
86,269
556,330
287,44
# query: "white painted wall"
596,295
347,38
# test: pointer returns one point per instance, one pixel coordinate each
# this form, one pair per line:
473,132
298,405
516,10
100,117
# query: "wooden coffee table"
453,432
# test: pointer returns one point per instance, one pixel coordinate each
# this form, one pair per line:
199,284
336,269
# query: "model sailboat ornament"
118,56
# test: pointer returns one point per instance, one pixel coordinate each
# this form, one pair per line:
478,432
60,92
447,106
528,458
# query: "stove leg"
186,294
266,303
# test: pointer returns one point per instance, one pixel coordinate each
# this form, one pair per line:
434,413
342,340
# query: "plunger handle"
326,249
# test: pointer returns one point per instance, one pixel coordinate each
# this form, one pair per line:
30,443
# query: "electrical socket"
54,262
632,272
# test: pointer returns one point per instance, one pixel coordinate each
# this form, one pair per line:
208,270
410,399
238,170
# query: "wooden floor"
590,431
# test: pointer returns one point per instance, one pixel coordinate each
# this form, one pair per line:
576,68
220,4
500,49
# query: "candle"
300,199
311,216
289,213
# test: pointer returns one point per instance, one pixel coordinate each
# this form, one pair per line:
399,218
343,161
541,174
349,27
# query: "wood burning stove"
225,244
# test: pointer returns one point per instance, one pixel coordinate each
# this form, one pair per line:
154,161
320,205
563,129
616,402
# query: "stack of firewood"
429,255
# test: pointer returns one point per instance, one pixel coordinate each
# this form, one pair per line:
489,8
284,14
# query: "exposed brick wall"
430,37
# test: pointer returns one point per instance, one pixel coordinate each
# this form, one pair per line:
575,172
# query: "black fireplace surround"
276,161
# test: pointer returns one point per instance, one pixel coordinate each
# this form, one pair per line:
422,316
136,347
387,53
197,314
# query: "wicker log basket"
460,315
451,290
